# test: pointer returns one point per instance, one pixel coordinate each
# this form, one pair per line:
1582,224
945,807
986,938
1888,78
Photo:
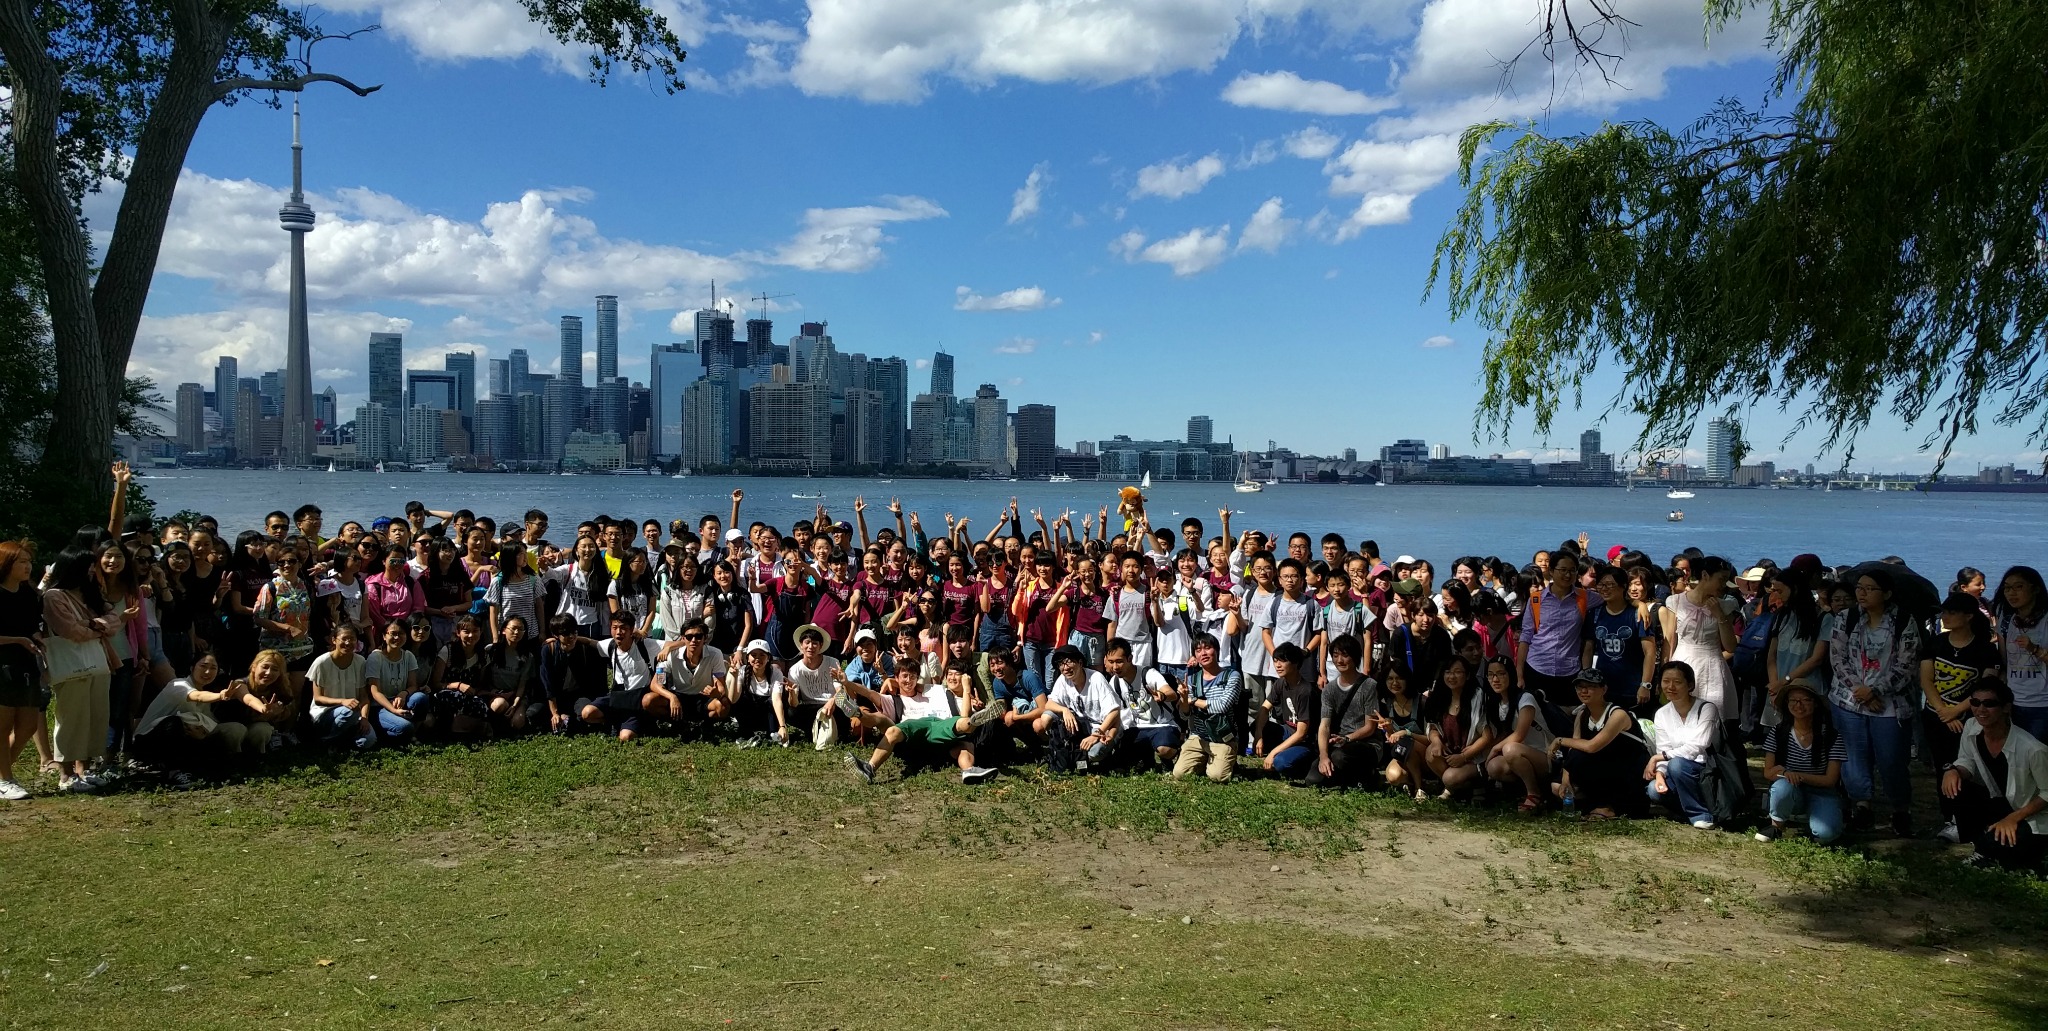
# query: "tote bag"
69,659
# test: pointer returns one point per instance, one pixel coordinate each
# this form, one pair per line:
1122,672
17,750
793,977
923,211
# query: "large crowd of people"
1599,681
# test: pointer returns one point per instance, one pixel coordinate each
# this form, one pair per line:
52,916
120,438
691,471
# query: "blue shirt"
870,677
1022,696
1617,647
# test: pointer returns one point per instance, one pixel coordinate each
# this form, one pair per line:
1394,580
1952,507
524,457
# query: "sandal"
1602,815
1531,803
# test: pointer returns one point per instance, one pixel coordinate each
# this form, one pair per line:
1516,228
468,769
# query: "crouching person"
1349,748
178,730
1999,783
1208,700
634,700
938,717
1151,706
1082,714
1022,692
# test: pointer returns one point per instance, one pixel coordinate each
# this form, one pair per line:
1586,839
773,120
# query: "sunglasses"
1986,703
693,637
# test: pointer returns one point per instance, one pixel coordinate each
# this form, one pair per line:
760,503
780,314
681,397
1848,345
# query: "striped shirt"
1794,757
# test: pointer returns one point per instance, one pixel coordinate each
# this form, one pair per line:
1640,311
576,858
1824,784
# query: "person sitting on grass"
1999,783
178,730
341,698
1605,753
1348,742
1022,693
1150,704
752,684
571,673
695,673
392,675
932,719
1209,702
1285,720
1401,725
1520,756
1803,757
1459,733
1081,708
1688,729
814,687
633,700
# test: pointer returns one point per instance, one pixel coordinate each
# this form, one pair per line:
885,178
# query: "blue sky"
1136,210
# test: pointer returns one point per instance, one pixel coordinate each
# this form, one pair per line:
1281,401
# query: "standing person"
2022,601
586,584
1081,601
1618,642
1036,609
81,670
248,569
992,598
1342,616
681,592
1688,730
1956,659
1798,648
1522,740
1255,612
1182,602
1697,633
514,591
1208,699
730,610
1548,646
1132,612
1876,655
1605,753
1999,783
632,592
1803,758
1295,618
22,700
1348,742
392,595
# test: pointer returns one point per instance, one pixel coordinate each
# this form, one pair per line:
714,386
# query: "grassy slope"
695,885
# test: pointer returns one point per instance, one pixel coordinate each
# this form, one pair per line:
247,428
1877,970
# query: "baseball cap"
1405,560
863,634
1408,585
1615,552
1589,675
842,525
755,645
735,534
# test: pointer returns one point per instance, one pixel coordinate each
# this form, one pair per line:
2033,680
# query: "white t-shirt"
1181,613
1093,703
814,686
743,679
351,596
683,678
577,601
632,667
333,681
935,701
174,701
1140,705
394,677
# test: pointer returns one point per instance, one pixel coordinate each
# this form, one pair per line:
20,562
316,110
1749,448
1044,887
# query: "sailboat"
330,467
681,475
380,467
1245,484
1145,483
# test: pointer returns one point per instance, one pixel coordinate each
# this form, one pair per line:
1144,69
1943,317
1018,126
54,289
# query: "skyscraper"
532,427
760,342
1720,450
1035,440
518,373
227,380
500,378
571,371
865,440
373,433
671,368
926,444
942,373
1201,431
462,365
191,417
271,386
790,424
326,412
496,435
608,407
705,431
297,219
425,388
387,385
248,422
562,412
992,429
891,378
607,337
423,434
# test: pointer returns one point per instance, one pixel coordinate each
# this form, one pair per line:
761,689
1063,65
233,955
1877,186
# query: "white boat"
1379,483
1054,478
434,467
1678,495
683,475
1146,482
1248,487
380,467
1245,484
1675,517
808,497
330,467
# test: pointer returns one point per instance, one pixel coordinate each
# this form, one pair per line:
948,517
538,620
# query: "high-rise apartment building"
992,429
571,371
532,427
373,433
1035,441
1720,450
462,365
387,384
562,412
227,381
607,337
790,424
671,368
866,439
495,436
191,417
929,414
705,424
890,377
942,373
608,407
423,435
760,342
248,417
1201,431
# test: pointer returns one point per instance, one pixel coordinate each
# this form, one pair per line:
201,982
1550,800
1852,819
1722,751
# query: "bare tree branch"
294,85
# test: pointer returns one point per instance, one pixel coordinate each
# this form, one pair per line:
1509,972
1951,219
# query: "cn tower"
297,218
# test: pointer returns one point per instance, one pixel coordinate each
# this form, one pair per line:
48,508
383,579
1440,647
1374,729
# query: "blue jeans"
1037,658
398,728
2031,718
1294,761
1822,808
1880,749
1682,776
341,723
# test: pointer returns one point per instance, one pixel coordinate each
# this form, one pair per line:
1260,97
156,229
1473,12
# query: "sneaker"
749,742
12,792
1902,825
975,774
1421,795
845,703
1769,832
862,769
76,786
1703,825
1948,834
986,715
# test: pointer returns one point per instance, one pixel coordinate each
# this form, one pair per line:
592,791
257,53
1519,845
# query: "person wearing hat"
1604,754
758,690
814,683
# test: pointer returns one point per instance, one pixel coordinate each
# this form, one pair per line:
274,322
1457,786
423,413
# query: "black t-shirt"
21,615
1956,670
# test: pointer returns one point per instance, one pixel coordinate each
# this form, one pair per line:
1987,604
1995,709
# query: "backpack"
1750,646
1554,716
1060,751
1536,607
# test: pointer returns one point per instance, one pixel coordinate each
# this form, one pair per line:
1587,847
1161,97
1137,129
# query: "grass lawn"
547,881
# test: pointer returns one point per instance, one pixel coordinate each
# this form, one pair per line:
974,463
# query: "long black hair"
2032,577
1800,618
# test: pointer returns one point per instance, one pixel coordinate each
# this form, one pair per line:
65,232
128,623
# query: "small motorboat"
808,497
1676,516
1678,495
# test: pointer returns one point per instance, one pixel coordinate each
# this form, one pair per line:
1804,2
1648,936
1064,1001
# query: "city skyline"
1128,215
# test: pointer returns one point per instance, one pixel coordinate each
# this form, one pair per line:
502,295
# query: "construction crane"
764,298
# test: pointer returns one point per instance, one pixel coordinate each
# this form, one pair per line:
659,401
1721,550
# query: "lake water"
1935,533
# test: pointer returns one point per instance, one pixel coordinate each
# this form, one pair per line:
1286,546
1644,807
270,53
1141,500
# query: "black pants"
1611,778
1976,809
1352,764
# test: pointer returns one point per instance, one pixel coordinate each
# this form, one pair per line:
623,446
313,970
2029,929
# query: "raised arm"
119,512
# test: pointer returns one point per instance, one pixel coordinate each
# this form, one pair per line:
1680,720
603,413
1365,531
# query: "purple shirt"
1554,646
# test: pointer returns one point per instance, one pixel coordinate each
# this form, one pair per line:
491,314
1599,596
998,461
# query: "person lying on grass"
932,720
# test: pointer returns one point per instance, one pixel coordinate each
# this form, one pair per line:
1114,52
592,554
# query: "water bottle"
1571,809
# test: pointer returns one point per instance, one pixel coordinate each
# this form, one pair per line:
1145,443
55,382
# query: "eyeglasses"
1986,703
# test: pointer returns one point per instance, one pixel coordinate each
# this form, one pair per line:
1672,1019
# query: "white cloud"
921,363
1195,251
173,349
1262,153
1438,341
1024,298
889,50
1172,180
1268,229
1388,175
1024,203
1286,91
461,30
848,239
1313,143
1017,345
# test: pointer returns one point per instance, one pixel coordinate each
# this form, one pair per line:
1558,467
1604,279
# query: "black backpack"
1060,751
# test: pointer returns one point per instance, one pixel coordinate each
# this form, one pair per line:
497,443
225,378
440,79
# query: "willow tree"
1866,237
115,90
